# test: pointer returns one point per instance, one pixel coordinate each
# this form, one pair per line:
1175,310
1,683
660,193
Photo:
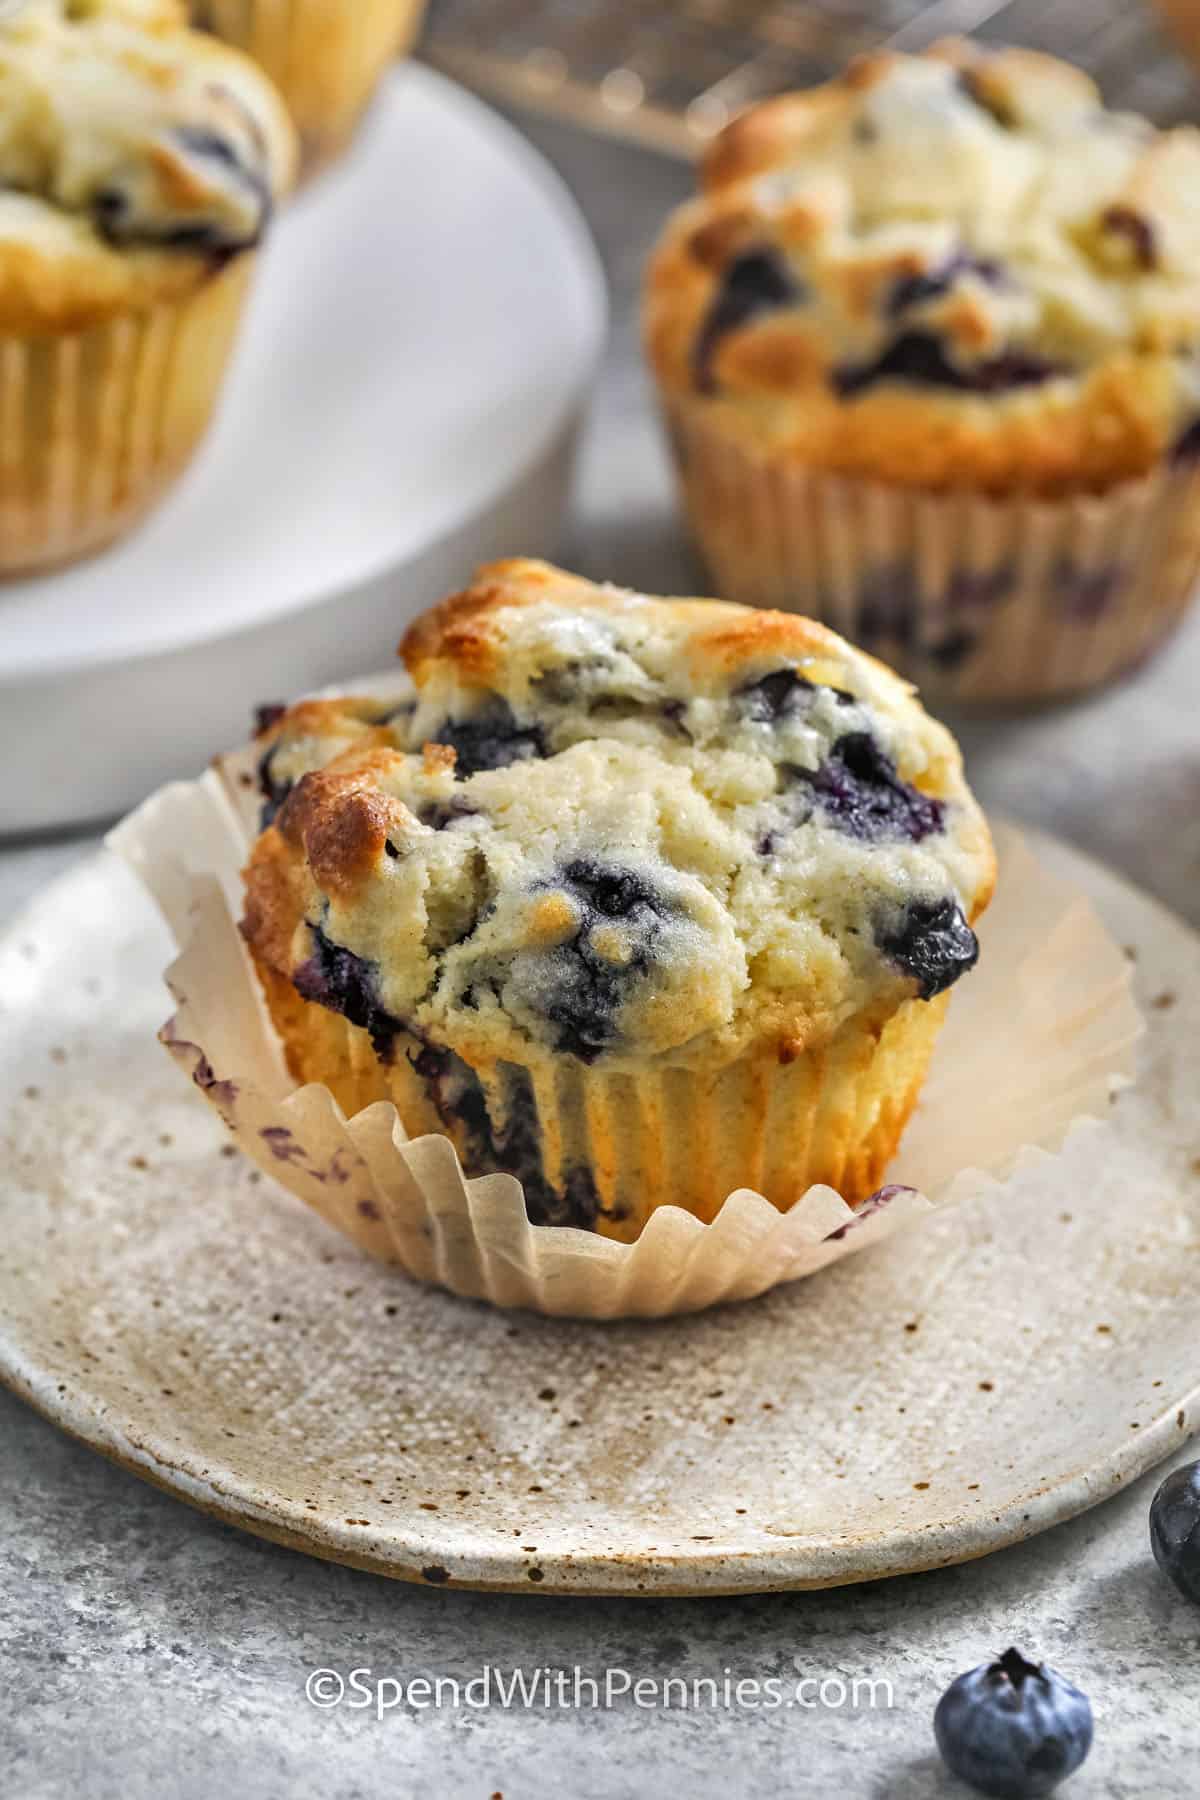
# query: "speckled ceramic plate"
996,1369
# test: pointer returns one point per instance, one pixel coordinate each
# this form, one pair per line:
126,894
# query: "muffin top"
948,269
616,828
133,154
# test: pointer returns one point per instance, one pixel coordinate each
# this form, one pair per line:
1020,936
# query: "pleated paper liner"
96,425
1037,1037
978,600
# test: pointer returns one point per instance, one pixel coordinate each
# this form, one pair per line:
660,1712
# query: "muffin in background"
639,900
326,57
140,162
928,347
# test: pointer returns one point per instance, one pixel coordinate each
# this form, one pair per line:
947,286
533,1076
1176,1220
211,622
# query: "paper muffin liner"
603,1150
326,57
1037,1037
96,425
977,599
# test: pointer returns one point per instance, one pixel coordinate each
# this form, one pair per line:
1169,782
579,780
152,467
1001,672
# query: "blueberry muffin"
929,348
326,57
639,900
140,162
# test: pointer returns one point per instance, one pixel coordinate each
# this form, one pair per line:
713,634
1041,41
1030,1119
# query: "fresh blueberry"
893,610
933,944
859,791
585,992
1175,1529
345,983
920,357
1013,1729
490,739
781,694
978,590
517,1150
757,282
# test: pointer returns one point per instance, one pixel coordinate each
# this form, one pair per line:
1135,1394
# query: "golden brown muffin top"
948,269
619,829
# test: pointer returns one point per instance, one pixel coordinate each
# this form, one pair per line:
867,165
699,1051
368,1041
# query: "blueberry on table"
1175,1529
1012,1728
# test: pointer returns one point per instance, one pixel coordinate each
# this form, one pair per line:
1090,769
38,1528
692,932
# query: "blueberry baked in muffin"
952,275
140,164
639,900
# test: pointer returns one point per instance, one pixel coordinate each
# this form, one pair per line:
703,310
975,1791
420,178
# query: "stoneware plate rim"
417,1548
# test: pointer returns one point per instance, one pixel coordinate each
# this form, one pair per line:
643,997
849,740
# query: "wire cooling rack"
672,72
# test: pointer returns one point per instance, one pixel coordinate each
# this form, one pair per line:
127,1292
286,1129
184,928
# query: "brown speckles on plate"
334,1372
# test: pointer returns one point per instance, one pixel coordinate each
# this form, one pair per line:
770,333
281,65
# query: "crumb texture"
615,831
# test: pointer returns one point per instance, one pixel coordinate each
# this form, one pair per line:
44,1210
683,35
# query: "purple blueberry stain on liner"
511,1146
1085,594
756,283
222,1093
943,629
874,1203
282,1144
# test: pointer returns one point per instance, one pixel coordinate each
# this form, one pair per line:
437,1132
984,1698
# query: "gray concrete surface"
147,1652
